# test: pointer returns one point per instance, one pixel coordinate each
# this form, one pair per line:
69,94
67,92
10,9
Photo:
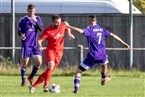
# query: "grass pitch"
90,87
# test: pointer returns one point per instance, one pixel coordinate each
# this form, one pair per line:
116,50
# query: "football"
54,88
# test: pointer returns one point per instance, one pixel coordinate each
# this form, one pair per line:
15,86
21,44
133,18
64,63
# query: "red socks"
48,73
45,76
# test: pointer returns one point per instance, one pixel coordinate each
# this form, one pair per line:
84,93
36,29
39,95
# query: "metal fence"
74,55
116,23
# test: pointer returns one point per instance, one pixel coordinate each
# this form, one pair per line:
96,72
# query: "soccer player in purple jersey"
28,31
97,50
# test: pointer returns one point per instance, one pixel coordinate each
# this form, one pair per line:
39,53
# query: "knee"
24,64
51,65
38,64
38,61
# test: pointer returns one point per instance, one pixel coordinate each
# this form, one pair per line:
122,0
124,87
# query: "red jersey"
54,36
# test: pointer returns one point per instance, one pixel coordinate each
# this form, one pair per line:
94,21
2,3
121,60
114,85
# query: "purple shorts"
29,51
89,63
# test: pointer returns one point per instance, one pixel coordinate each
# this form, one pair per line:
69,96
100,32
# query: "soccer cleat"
23,84
32,89
75,92
45,89
105,80
30,80
72,91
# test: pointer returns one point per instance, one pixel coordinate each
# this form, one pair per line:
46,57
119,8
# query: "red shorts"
55,56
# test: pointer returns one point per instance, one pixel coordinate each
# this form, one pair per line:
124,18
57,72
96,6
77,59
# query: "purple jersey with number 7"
28,27
96,42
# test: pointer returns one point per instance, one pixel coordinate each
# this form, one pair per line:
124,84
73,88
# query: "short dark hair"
55,16
31,6
93,17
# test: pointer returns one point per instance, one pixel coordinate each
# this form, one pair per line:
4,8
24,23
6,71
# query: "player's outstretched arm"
74,28
119,39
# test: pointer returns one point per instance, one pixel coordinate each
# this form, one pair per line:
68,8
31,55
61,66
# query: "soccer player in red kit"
54,34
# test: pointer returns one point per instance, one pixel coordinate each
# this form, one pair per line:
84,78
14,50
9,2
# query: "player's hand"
23,37
127,45
71,37
34,18
41,48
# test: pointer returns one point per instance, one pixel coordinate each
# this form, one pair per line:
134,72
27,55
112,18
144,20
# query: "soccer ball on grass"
54,88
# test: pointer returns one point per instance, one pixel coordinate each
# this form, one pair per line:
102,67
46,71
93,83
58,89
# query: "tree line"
140,4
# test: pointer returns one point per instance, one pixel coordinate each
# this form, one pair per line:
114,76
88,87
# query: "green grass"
14,70
124,83
90,87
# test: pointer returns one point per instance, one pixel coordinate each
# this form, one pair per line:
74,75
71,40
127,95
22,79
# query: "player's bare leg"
38,62
105,78
23,70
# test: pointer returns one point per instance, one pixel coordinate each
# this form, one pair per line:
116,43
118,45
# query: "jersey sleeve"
44,34
20,27
86,31
107,33
39,21
66,28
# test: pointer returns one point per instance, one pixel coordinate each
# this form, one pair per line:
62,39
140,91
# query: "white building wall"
69,6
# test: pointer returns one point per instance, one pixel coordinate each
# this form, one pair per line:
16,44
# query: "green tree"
140,4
